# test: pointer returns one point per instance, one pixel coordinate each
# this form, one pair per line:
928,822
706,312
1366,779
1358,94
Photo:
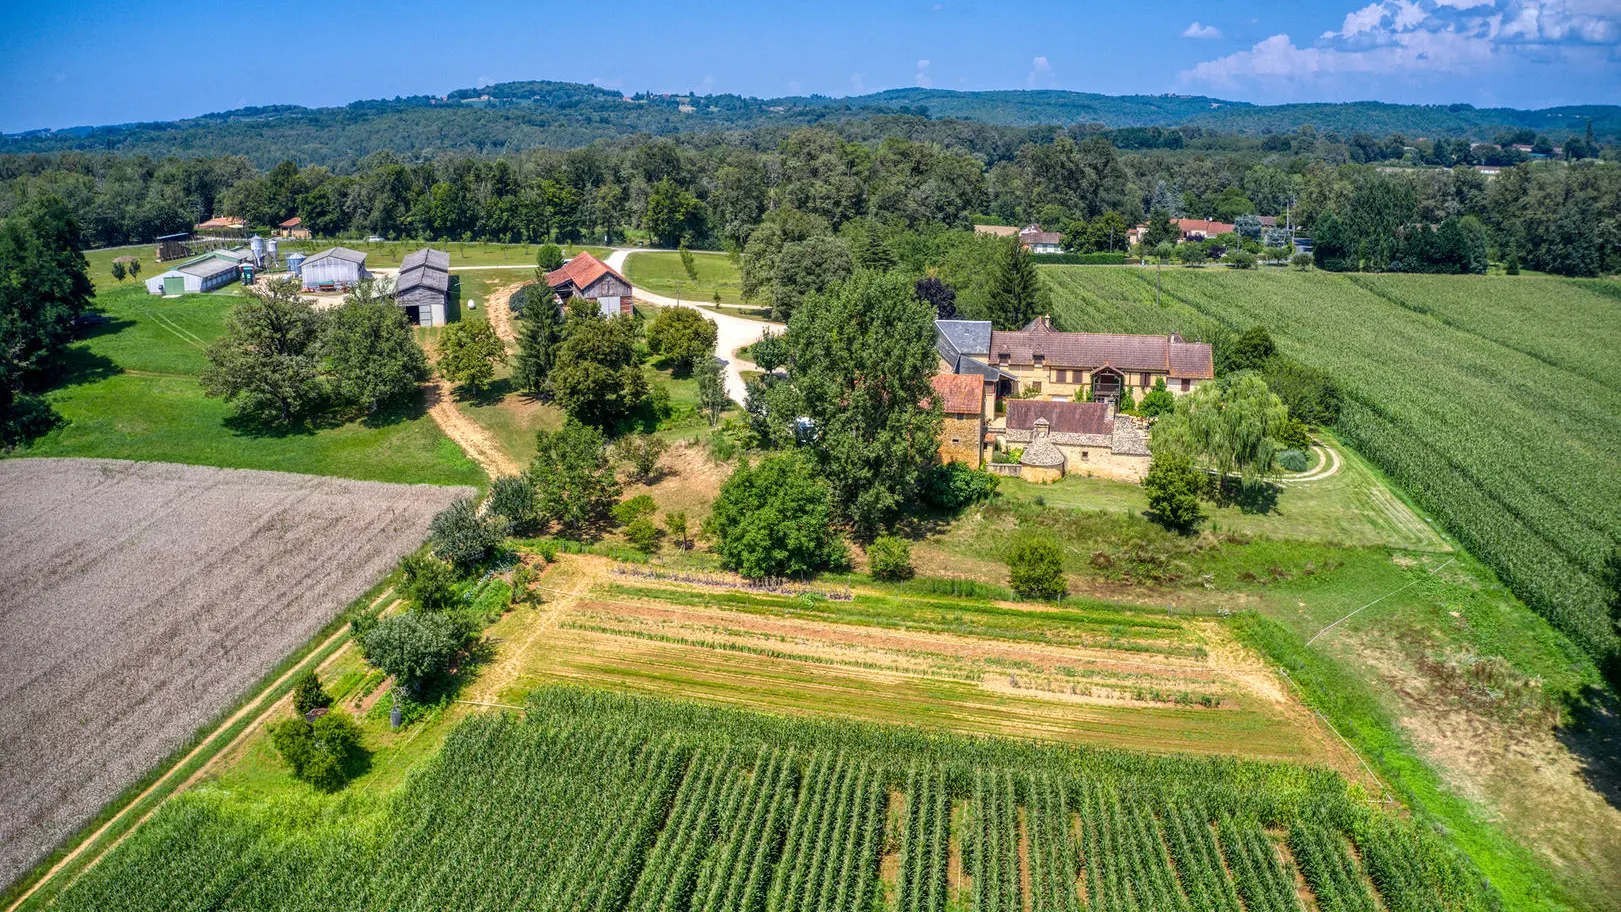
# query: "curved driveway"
732,333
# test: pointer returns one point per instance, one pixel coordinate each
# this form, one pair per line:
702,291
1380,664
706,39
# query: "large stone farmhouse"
585,276
1053,394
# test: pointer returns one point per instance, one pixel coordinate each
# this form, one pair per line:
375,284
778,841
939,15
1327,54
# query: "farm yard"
143,599
603,801
1490,400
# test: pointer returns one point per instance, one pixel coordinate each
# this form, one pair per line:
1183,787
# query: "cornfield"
594,801
1491,400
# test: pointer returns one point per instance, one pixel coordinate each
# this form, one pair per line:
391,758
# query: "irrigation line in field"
1376,601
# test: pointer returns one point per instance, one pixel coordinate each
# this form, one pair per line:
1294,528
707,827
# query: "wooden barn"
587,277
334,269
423,288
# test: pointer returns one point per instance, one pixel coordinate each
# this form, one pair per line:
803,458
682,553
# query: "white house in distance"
1033,239
423,287
334,269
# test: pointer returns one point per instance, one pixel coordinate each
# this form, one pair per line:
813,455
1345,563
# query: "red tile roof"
1202,226
580,272
960,394
293,222
1062,417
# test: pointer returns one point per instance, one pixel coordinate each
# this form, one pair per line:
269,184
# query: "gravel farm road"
732,333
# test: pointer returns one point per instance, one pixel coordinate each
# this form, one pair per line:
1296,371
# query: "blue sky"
76,63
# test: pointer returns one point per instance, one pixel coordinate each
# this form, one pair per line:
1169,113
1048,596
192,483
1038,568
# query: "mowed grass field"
140,600
1490,400
132,392
661,272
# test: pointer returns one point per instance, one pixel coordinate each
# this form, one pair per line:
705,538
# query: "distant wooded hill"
514,116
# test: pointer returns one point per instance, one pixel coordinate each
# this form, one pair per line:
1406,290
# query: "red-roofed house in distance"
962,398
587,277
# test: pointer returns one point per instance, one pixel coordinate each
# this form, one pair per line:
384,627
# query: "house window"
1002,358
1085,454
1035,386
1185,385
1039,359
1145,381
956,440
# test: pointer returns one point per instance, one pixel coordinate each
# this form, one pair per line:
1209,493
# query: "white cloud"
1196,30
1041,75
922,77
1415,39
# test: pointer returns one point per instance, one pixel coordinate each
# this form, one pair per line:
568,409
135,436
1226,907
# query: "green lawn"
1353,507
661,272
132,393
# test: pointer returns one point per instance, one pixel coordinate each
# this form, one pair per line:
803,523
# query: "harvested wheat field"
140,600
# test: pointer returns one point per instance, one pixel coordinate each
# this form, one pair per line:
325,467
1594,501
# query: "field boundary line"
89,841
1377,601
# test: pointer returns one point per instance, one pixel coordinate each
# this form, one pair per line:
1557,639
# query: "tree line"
717,190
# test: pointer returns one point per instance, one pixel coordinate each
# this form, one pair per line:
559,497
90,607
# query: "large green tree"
1230,429
1017,295
683,335
469,352
774,519
573,477
857,393
370,352
44,287
597,377
268,359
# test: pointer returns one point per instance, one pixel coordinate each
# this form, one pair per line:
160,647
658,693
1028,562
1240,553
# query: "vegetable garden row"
600,802
1490,399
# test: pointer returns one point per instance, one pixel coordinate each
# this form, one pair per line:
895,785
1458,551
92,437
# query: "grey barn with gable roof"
423,287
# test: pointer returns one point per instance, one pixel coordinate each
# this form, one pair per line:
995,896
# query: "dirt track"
474,440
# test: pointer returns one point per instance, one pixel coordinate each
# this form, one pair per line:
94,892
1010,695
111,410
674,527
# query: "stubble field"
139,600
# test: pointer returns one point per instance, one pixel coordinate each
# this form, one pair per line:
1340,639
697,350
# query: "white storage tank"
295,263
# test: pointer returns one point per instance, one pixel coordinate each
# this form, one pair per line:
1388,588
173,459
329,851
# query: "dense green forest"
512,117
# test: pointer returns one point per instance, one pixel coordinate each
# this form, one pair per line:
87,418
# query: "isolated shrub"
318,752
683,335
309,695
412,647
1127,402
953,486
572,476
1173,486
463,537
549,257
1293,460
1036,568
1243,259
638,507
642,535
675,522
1157,401
428,582
1301,261
1292,434
890,559
641,452
513,499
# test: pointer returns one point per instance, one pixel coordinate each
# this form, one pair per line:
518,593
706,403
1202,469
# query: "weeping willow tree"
1230,429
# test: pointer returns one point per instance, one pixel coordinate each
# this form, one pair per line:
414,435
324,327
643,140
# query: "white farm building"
334,269
204,273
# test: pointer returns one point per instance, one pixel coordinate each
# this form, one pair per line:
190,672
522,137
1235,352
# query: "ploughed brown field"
138,601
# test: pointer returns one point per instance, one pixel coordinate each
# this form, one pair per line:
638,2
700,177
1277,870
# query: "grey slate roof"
341,253
968,337
422,277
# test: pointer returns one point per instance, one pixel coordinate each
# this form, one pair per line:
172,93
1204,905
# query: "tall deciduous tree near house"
44,286
268,359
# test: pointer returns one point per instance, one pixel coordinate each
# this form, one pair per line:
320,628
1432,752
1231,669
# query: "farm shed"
334,269
172,247
423,288
587,277
204,273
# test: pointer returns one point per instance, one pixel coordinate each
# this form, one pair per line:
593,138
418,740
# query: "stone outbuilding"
962,435
1063,438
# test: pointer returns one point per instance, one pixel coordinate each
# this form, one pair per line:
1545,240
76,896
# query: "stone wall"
961,439
1101,462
